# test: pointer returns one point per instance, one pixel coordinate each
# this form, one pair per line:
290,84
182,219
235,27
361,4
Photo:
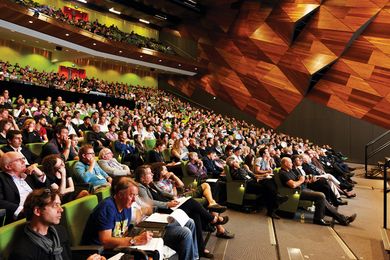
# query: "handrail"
380,148
378,138
367,156
385,191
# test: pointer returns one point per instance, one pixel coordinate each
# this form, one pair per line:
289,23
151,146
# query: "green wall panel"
107,19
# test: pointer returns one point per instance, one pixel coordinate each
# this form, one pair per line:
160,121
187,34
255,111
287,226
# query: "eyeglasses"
20,159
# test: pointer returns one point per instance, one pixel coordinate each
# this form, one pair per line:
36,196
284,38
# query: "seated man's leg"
332,211
319,202
181,240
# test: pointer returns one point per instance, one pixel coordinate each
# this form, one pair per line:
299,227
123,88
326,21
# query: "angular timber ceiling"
264,57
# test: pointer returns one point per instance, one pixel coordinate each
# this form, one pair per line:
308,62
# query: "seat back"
291,205
149,144
103,193
235,190
187,180
35,148
167,155
8,235
75,216
69,168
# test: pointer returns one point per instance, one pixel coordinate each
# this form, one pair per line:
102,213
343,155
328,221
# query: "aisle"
362,238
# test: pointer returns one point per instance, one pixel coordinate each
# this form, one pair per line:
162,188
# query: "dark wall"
323,125
184,47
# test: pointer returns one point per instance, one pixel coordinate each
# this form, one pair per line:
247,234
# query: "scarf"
50,247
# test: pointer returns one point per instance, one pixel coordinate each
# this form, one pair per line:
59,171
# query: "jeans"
182,239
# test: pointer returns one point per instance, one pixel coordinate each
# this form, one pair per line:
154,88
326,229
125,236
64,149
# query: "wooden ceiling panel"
272,73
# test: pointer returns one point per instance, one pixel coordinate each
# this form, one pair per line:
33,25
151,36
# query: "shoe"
273,215
225,235
321,222
224,220
207,255
350,194
351,218
281,199
217,208
341,202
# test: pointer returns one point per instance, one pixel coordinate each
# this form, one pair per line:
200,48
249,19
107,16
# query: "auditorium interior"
293,73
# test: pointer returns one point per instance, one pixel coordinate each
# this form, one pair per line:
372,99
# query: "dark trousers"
267,188
323,186
323,207
200,215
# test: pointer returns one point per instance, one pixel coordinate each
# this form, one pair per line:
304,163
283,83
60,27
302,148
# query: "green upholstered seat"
35,148
187,180
75,216
235,191
103,193
149,144
8,234
289,207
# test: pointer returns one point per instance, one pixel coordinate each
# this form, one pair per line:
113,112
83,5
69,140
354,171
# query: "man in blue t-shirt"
108,225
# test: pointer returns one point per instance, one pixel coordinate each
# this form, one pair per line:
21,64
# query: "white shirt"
24,189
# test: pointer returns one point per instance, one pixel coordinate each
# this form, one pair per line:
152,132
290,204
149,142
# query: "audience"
172,122
322,206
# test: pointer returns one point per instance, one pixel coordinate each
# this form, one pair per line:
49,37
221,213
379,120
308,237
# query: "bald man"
16,183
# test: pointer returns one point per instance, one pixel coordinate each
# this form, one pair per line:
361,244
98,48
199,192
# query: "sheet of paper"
180,216
158,218
181,201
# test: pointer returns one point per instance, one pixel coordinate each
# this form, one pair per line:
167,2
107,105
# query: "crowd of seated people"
209,141
55,80
110,32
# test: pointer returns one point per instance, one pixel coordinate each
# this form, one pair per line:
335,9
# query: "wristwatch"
132,241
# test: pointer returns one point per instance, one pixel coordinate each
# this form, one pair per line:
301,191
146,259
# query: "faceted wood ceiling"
264,57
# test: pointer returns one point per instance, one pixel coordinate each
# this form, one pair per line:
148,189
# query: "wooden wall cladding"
358,83
265,56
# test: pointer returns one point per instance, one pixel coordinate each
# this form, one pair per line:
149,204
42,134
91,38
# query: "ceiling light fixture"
112,10
94,44
83,1
161,17
143,21
66,34
30,21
